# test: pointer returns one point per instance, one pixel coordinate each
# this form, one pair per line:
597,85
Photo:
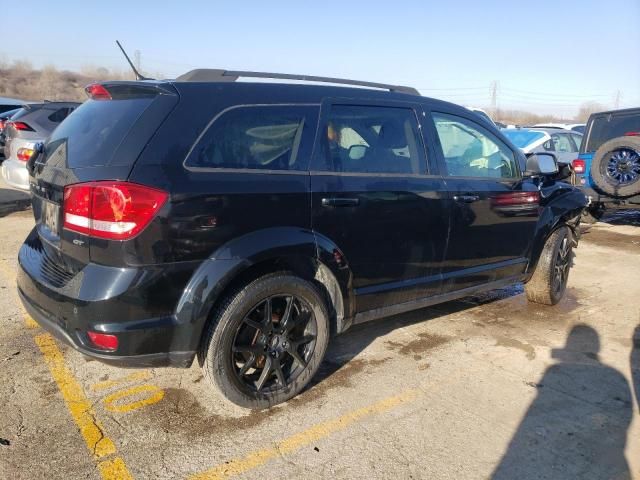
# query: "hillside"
20,80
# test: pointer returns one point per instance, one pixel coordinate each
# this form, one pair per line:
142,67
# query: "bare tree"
587,108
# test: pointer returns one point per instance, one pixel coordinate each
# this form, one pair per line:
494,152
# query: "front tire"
549,281
268,341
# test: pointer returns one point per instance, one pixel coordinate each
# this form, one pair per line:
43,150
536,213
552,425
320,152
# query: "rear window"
606,127
93,132
254,137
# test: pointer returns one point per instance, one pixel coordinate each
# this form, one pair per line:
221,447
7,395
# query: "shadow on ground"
577,425
13,201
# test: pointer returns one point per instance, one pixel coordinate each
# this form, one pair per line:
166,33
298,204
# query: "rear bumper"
135,304
161,359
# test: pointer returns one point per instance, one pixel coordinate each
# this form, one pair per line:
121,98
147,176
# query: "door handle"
466,198
340,202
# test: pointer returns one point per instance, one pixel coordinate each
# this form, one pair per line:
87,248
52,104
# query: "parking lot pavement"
490,386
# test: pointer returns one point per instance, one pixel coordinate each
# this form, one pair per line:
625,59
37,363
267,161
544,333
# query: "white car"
576,127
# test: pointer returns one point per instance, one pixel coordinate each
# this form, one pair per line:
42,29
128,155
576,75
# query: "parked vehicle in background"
564,144
608,166
194,217
481,113
32,124
7,104
576,127
4,118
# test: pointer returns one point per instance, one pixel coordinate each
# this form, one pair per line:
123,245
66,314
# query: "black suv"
244,223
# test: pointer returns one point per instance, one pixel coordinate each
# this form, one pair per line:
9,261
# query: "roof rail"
217,75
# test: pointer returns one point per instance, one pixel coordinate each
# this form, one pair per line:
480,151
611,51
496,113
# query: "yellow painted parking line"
30,322
114,470
155,395
77,403
133,377
299,440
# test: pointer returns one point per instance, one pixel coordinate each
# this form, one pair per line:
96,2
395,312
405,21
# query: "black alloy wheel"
274,342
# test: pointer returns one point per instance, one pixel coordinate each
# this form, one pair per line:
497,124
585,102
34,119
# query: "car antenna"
136,73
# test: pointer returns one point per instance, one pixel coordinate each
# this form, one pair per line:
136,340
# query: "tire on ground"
598,167
540,288
220,333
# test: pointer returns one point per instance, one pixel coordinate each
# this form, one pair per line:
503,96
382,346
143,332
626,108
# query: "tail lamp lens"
103,341
579,166
21,126
25,154
111,210
97,92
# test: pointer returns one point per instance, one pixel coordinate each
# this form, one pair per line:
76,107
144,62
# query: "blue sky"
547,56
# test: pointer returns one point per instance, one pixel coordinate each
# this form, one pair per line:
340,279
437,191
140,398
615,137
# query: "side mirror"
356,152
542,163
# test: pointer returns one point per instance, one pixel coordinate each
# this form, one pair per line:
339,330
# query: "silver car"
31,125
565,144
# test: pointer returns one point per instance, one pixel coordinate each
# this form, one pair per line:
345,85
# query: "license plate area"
51,216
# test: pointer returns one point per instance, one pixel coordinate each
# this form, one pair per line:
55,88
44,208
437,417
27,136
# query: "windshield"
522,138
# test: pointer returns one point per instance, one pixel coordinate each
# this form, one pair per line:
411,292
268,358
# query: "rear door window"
372,139
260,137
607,127
562,142
92,134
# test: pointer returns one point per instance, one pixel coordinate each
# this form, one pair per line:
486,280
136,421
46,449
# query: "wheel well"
304,267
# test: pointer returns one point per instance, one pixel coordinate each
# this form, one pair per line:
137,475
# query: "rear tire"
549,281
266,341
616,167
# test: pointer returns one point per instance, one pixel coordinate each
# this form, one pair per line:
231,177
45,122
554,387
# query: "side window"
365,139
59,115
577,139
255,137
471,151
549,145
562,142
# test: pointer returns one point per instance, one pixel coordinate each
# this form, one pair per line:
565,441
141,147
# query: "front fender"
561,204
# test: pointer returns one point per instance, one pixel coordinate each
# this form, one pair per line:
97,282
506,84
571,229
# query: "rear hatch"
99,141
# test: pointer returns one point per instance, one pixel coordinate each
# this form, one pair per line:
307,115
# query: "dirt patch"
513,343
181,413
422,344
606,238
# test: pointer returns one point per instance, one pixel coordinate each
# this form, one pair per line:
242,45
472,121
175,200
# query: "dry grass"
20,80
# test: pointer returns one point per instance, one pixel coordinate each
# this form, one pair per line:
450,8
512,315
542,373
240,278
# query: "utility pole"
136,59
616,102
494,98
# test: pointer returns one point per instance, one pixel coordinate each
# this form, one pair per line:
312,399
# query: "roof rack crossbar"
209,75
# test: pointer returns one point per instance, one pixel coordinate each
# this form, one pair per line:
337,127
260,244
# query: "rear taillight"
111,210
2,122
509,199
25,154
103,341
97,92
579,166
632,134
21,126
